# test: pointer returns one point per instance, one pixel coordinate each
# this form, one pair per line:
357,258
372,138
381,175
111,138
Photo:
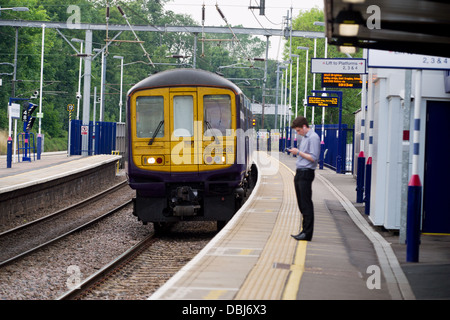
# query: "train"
189,148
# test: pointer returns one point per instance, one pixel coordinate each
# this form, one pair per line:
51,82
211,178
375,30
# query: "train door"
436,217
184,140
217,117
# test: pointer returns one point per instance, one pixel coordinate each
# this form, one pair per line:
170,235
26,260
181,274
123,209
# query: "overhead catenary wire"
234,35
136,37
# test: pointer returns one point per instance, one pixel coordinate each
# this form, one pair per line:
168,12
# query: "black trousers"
303,189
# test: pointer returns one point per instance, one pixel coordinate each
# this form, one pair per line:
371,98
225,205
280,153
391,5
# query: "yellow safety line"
297,268
214,294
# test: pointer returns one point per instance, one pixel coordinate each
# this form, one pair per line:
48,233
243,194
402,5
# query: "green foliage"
61,66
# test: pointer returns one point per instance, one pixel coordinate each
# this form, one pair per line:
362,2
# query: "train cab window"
217,114
149,115
183,116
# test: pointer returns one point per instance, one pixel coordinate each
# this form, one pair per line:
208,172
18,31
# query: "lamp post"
306,79
121,85
322,142
39,139
296,101
277,92
102,85
79,75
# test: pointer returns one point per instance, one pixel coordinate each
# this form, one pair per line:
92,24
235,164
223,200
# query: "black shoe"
301,236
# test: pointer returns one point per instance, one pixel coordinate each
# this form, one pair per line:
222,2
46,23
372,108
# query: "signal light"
27,119
254,122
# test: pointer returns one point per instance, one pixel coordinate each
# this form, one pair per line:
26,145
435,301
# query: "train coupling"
185,202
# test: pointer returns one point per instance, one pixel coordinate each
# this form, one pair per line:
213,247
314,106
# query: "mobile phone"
286,150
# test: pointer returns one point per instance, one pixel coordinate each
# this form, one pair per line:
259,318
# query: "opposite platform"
29,187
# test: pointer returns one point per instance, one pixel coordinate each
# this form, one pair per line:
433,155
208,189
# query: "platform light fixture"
15,9
349,21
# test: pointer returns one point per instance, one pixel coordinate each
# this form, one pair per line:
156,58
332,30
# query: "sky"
237,13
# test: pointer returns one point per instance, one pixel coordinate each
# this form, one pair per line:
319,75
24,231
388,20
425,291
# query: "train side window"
149,113
183,116
217,113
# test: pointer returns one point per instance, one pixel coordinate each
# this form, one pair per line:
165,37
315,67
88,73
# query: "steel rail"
85,225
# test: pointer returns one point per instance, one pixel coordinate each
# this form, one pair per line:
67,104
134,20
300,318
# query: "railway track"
137,273
83,288
27,238
110,269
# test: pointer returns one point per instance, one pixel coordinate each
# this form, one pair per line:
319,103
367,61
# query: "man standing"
307,157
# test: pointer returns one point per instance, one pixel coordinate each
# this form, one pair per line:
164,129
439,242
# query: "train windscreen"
217,113
149,114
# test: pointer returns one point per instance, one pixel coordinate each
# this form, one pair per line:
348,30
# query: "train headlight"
215,159
153,160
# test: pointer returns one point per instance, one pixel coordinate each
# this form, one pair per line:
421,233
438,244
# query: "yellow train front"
190,144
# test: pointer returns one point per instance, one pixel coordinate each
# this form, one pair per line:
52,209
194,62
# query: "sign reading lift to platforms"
338,65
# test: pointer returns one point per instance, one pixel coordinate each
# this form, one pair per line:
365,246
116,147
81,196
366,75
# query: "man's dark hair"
299,122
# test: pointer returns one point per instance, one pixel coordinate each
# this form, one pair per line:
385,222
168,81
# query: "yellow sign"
322,101
338,80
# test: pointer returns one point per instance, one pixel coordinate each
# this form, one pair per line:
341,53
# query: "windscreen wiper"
156,132
208,125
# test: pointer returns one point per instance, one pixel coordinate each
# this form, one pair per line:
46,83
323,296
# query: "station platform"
255,258
44,183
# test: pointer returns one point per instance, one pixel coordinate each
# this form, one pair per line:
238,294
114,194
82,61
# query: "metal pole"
306,85
102,87
121,95
15,64
281,101
405,155
360,174
264,82
415,186
95,104
314,83
369,119
290,59
339,148
276,96
94,119
194,63
323,109
39,139
296,89
285,109
322,140
87,91
79,84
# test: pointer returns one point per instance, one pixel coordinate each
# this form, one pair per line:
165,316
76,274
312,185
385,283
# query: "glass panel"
149,114
183,116
217,113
